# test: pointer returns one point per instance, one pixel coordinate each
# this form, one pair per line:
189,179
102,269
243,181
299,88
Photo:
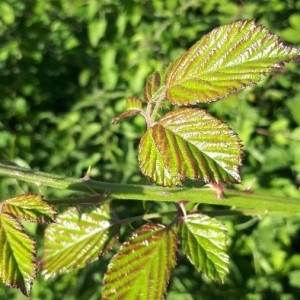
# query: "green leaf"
7,13
17,255
190,143
75,240
225,60
133,107
29,207
133,103
203,240
142,267
152,163
152,85
96,30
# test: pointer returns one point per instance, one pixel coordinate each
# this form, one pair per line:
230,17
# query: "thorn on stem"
86,176
218,188
181,207
248,189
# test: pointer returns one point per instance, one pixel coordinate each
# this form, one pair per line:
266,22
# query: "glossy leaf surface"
203,240
190,143
75,240
152,162
17,255
29,207
227,59
141,269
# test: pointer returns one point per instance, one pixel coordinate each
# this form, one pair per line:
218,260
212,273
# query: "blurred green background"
66,68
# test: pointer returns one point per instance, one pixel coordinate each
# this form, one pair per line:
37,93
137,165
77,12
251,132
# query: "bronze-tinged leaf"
126,114
152,86
17,255
133,108
76,239
203,240
141,269
133,103
152,163
29,207
190,143
225,60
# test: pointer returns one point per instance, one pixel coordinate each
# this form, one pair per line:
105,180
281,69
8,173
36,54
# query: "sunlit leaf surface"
203,240
190,143
29,207
227,59
75,240
152,163
141,269
17,255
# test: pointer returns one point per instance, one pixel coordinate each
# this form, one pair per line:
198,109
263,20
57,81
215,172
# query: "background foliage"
65,70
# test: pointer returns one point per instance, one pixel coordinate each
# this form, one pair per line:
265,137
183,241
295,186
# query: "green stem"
88,199
144,217
254,203
159,98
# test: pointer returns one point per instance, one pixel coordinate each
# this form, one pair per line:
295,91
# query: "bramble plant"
184,145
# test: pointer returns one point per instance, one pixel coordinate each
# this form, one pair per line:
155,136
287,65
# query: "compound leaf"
225,60
75,240
17,255
29,207
203,240
190,143
141,269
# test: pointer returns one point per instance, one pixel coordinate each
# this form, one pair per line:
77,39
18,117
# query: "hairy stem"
159,98
250,203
